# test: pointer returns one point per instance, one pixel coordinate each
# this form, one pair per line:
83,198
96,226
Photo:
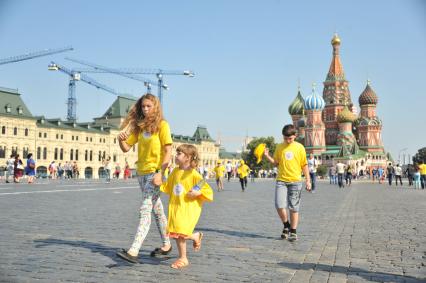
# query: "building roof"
11,104
201,133
120,107
223,154
42,122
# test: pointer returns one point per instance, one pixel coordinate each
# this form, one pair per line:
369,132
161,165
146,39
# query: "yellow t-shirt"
219,171
290,158
243,171
422,169
150,148
184,212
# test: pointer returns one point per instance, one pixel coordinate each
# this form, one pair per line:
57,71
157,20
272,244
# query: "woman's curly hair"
136,121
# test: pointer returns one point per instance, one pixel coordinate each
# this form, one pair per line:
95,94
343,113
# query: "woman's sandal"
179,264
197,244
159,251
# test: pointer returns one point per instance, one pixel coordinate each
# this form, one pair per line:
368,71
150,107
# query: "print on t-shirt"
289,155
178,189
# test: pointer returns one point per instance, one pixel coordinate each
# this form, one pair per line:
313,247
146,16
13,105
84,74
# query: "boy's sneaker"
292,237
284,234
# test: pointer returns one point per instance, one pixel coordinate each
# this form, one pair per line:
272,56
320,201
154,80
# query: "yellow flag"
258,152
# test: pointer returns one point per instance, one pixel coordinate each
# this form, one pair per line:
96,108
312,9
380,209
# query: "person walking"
18,169
229,170
30,169
146,126
348,174
332,175
380,175
409,173
340,169
290,157
243,171
422,168
390,173
312,165
188,191
398,174
107,167
117,171
416,177
219,170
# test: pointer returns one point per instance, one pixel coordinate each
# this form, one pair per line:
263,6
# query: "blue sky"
247,56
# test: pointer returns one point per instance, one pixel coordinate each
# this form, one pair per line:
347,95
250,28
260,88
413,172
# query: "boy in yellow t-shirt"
290,157
243,171
219,171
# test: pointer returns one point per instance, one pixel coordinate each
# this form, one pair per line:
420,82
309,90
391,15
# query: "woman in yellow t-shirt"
188,191
243,171
145,126
219,171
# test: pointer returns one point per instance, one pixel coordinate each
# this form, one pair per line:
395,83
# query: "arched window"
56,154
25,152
76,154
15,131
3,130
100,156
2,152
85,155
61,154
45,153
26,132
38,152
72,154
90,155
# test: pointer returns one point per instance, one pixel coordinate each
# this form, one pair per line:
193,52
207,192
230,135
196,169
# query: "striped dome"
314,101
368,96
296,107
346,116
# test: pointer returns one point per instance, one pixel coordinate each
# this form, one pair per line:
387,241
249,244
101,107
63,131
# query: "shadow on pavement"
366,274
100,249
236,233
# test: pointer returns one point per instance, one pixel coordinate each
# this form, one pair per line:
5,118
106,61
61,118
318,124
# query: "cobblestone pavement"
69,232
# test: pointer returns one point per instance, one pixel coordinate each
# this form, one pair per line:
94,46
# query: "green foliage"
420,156
322,170
249,157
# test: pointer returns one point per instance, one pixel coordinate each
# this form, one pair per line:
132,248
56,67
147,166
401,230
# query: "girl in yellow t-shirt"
188,191
145,126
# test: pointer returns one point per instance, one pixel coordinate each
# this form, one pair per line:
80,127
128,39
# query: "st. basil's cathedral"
330,127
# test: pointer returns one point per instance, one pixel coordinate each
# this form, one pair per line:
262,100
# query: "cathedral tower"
336,94
314,128
369,126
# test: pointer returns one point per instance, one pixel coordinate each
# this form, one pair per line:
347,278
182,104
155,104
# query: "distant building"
85,143
329,125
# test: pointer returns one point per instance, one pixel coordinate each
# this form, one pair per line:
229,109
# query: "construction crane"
157,72
32,55
148,83
77,76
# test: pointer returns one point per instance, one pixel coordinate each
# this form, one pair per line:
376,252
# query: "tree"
420,156
249,157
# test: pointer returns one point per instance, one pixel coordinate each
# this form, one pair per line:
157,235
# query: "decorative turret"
314,101
314,128
368,96
346,116
296,108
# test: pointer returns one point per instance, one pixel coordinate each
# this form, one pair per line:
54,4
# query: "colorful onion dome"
296,107
368,96
301,123
314,101
346,116
335,39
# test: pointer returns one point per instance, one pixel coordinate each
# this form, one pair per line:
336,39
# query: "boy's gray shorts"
287,195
